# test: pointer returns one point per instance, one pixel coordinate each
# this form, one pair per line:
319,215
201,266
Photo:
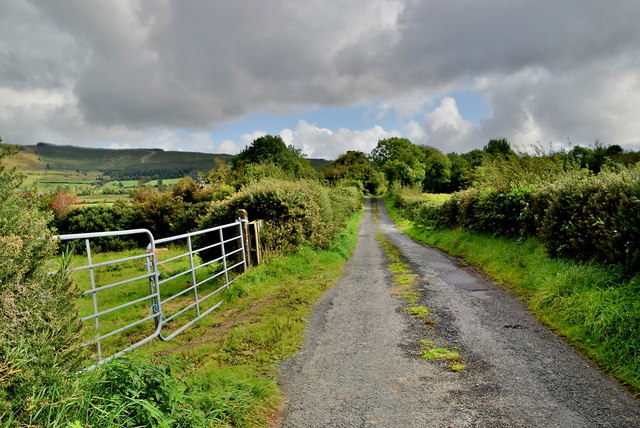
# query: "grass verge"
596,308
221,372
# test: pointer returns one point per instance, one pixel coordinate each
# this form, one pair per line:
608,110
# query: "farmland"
101,176
517,195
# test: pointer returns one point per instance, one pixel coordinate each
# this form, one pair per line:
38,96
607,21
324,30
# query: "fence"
142,296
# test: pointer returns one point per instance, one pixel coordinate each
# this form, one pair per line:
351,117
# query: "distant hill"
121,164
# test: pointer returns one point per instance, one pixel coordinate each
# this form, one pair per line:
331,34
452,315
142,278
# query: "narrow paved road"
360,364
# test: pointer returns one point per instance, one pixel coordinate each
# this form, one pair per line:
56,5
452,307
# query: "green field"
102,176
49,180
119,295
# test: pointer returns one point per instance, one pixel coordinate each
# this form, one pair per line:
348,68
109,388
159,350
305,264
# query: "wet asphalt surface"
360,364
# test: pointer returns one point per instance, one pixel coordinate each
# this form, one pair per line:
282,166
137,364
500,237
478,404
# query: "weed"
457,367
432,352
399,267
421,313
418,311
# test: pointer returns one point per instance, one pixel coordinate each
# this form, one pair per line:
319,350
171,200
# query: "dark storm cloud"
194,64
444,41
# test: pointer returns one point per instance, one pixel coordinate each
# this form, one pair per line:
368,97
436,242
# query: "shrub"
295,213
581,216
156,210
99,218
38,319
505,213
594,217
131,392
407,199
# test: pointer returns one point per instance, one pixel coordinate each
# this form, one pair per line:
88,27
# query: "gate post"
243,217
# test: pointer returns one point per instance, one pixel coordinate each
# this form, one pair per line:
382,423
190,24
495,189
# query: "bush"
160,212
407,199
505,213
99,218
38,320
595,217
295,213
580,215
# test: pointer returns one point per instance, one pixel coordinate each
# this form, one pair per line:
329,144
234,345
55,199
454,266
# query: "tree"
460,173
597,156
474,158
354,165
62,203
437,168
400,160
157,211
272,149
185,189
499,147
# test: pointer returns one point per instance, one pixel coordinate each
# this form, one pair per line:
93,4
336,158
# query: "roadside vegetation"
501,210
221,372
561,236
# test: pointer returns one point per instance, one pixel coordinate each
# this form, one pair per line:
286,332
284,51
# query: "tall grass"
595,307
222,371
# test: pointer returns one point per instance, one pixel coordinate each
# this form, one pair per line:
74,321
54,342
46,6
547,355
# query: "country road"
360,364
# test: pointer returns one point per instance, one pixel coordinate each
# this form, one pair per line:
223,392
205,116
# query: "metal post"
224,259
243,217
94,296
154,278
193,275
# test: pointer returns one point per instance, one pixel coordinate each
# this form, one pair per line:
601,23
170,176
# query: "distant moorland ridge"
119,163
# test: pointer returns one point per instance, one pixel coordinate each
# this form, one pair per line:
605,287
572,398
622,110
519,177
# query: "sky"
328,76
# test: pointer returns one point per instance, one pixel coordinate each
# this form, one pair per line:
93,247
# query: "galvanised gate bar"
157,298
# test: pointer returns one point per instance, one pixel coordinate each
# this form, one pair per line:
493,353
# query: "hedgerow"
595,217
295,212
578,214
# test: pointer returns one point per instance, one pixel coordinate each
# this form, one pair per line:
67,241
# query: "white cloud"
229,147
445,128
324,143
405,106
137,73
415,132
247,139
446,118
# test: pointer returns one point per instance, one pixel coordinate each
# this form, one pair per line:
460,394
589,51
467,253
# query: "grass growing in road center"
407,288
596,308
405,279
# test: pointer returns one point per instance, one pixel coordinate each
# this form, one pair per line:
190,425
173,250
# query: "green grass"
404,278
431,351
407,289
100,199
596,308
165,182
420,312
436,198
51,179
226,364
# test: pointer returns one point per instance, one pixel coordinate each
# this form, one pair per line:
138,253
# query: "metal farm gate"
156,291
